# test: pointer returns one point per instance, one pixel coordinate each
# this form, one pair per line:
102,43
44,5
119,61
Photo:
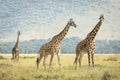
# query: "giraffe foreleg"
89,57
92,59
92,56
92,53
17,56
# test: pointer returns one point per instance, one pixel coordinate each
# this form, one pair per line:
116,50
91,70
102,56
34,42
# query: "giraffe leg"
13,55
17,56
93,51
89,58
58,60
76,59
38,61
51,60
44,61
92,59
80,59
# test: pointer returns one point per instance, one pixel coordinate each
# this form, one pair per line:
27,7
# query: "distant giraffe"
88,45
53,47
15,50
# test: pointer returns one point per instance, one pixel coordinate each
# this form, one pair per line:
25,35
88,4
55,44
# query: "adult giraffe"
88,45
15,50
53,46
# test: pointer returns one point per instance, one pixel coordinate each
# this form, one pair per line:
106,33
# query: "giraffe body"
88,45
15,50
53,47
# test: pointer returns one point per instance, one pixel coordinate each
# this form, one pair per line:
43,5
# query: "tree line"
68,45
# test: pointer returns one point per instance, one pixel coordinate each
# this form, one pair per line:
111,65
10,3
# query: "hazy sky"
42,19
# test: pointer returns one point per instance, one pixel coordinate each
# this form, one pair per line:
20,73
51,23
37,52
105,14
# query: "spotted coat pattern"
87,45
15,50
53,47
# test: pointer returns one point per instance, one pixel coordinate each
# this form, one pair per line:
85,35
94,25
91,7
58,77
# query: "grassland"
107,67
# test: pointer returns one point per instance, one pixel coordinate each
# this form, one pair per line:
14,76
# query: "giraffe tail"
37,62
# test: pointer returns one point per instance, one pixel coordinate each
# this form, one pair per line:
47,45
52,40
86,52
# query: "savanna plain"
107,67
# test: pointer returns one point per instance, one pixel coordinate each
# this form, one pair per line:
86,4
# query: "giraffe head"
101,17
71,22
18,32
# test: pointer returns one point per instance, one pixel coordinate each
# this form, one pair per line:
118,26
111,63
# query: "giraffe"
88,45
53,47
15,50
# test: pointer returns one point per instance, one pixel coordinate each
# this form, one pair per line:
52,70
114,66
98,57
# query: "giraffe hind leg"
38,61
80,58
13,55
58,60
51,59
93,59
76,60
44,61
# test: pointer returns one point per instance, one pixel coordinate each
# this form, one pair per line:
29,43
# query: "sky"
42,19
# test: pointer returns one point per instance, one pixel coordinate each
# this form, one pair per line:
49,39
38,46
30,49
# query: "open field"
107,67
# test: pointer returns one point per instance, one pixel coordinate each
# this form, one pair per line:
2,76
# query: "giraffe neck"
58,38
16,45
93,33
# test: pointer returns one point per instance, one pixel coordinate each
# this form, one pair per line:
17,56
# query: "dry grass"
107,67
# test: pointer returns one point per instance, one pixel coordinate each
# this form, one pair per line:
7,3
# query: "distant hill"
68,45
